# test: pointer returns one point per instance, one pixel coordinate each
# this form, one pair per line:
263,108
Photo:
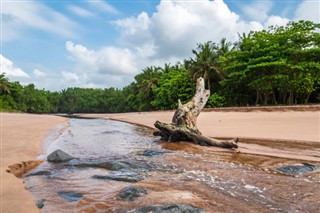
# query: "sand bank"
288,125
272,133
21,140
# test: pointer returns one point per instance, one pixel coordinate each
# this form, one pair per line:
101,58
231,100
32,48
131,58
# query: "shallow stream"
215,180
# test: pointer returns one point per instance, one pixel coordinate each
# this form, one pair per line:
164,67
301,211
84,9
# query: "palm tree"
224,47
150,79
241,44
205,62
4,84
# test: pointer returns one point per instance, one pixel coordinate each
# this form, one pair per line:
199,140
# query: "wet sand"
21,140
277,133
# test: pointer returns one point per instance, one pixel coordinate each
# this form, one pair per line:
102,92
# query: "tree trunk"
266,98
257,97
184,122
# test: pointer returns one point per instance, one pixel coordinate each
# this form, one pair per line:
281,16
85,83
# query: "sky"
56,44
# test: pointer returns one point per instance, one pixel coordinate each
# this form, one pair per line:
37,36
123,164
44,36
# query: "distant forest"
277,66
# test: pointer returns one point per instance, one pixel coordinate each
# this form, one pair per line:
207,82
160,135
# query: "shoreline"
22,137
294,126
284,134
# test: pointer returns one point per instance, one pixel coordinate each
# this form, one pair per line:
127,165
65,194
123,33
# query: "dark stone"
59,156
131,193
125,176
117,165
70,196
171,208
151,152
40,203
298,169
110,165
38,173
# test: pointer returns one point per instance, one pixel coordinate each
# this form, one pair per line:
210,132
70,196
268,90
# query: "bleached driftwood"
184,122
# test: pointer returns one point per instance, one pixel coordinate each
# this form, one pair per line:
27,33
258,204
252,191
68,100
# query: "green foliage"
4,84
280,65
142,90
175,84
216,100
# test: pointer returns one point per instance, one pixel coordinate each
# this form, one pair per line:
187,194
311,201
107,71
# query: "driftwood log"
184,122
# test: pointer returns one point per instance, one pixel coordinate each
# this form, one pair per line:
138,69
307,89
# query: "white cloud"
258,10
80,11
116,60
22,14
111,60
69,76
10,69
103,6
308,10
81,53
276,20
105,67
177,26
38,74
135,30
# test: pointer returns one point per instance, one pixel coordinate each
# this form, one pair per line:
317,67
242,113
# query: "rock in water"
40,203
171,208
298,169
59,156
38,173
125,176
117,165
131,193
70,196
152,152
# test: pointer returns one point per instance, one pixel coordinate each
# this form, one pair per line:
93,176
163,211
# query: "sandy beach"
21,140
256,129
23,134
289,125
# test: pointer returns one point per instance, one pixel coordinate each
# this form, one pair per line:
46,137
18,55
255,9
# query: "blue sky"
57,44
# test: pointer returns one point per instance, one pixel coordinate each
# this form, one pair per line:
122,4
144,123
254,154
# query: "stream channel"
199,179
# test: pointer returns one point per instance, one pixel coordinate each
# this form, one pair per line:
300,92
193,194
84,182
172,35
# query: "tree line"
276,66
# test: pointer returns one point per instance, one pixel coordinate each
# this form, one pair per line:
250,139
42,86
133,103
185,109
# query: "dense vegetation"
278,66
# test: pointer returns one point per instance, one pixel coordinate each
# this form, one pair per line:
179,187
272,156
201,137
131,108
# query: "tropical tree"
173,85
207,60
281,64
4,84
144,85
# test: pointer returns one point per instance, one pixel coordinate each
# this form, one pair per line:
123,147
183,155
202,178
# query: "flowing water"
213,179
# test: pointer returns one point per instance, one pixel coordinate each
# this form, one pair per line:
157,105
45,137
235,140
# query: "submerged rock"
126,176
131,193
152,152
38,173
298,169
40,203
59,156
70,196
171,208
117,165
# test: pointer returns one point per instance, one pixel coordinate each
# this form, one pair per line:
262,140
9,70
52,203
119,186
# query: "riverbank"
22,136
275,133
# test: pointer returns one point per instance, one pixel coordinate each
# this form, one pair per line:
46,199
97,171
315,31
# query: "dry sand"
288,125
21,140
22,135
284,134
